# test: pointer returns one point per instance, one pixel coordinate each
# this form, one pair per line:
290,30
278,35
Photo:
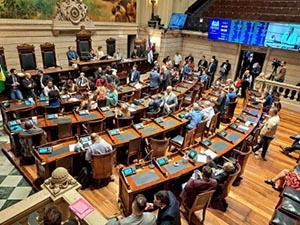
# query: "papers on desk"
201,158
210,153
65,96
72,147
84,112
243,127
73,99
104,109
81,208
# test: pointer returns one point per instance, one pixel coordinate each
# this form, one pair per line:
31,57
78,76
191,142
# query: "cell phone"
196,175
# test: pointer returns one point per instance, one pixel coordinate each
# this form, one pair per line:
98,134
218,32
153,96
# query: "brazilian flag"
3,76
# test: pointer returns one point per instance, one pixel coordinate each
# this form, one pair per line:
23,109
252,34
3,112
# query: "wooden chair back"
94,126
134,149
24,113
213,124
124,121
179,105
64,130
154,91
188,139
255,135
48,55
29,141
127,97
200,130
65,162
102,165
202,201
226,187
83,43
27,56
242,158
153,115
111,46
159,147
226,118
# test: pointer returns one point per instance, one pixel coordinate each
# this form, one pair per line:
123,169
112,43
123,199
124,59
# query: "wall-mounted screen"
177,21
274,35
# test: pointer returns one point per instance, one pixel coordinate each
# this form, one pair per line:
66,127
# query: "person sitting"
203,76
102,81
82,81
170,101
196,186
295,145
195,115
72,55
114,78
44,78
168,209
118,55
101,93
13,82
85,102
290,178
154,104
124,112
112,95
208,112
71,88
154,79
28,85
138,216
54,100
267,100
91,56
98,73
134,54
91,86
99,53
134,74
175,76
50,87
53,216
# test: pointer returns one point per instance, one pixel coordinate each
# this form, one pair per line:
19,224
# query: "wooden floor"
252,202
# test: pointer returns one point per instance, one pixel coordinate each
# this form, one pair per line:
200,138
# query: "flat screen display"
177,21
255,33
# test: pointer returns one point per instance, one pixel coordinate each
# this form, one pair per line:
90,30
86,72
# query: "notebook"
81,208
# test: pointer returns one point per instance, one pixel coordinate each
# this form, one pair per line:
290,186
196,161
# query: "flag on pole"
150,52
3,76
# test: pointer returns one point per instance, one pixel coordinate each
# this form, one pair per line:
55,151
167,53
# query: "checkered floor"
13,186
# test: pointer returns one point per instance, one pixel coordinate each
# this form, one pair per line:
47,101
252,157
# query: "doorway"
250,60
130,44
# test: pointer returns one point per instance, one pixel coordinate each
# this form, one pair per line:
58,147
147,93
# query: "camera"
276,63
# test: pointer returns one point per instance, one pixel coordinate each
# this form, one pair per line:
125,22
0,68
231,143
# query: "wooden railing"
60,194
289,94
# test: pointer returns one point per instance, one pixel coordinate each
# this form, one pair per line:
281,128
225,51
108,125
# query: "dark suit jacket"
170,215
28,86
136,76
220,104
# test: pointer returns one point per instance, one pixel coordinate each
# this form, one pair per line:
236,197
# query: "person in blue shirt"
154,79
195,115
72,55
155,104
134,74
203,76
186,71
267,100
230,96
54,100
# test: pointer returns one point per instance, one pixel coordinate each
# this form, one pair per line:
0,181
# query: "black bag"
84,177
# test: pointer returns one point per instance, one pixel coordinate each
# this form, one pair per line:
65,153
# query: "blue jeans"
15,93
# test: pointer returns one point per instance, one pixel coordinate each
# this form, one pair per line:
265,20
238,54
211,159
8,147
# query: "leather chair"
94,126
64,130
29,141
200,130
153,115
2,58
27,56
134,149
48,55
201,202
153,91
190,99
280,218
102,166
290,207
181,142
124,121
213,124
226,118
254,137
158,147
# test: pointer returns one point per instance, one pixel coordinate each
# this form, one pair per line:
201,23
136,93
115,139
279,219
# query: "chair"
48,55
140,45
83,43
134,149
94,126
190,99
153,91
226,118
201,201
127,97
213,124
27,56
254,137
124,121
159,147
65,162
153,115
64,130
29,141
52,109
200,130
111,46
2,58
181,142
179,105
280,217
103,165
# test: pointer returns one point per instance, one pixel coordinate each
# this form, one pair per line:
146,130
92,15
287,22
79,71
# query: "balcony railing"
60,191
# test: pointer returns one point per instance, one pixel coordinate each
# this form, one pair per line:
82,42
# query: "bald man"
99,147
30,128
170,101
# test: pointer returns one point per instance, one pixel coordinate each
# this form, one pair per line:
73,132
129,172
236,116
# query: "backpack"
84,177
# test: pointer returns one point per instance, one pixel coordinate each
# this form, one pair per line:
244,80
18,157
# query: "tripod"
273,74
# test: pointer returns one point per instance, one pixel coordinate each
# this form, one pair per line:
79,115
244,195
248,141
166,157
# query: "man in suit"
72,55
13,82
220,102
166,78
202,64
114,78
211,72
225,68
134,54
118,55
170,101
154,79
134,74
28,85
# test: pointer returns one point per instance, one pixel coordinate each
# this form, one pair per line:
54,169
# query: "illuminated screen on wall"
177,21
274,35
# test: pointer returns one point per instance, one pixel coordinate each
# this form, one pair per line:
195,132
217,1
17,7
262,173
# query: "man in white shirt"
208,112
50,87
170,101
177,59
118,55
99,147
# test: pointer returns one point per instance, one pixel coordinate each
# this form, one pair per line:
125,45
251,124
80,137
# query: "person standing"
177,60
281,75
166,77
154,79
267,133
28,85
170,101
134,74
211,72
13,83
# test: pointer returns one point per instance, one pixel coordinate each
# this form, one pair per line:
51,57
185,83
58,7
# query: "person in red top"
102,81
197,186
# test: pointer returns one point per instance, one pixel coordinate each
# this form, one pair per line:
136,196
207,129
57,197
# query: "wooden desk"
149,129
125,135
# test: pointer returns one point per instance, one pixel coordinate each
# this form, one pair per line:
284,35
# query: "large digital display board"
274,35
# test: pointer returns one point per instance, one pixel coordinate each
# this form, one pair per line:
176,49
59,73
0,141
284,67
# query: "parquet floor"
252,202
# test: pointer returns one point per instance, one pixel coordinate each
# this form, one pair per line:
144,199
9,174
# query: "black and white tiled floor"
13,186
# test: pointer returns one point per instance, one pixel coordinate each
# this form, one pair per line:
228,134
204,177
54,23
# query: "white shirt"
177,59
